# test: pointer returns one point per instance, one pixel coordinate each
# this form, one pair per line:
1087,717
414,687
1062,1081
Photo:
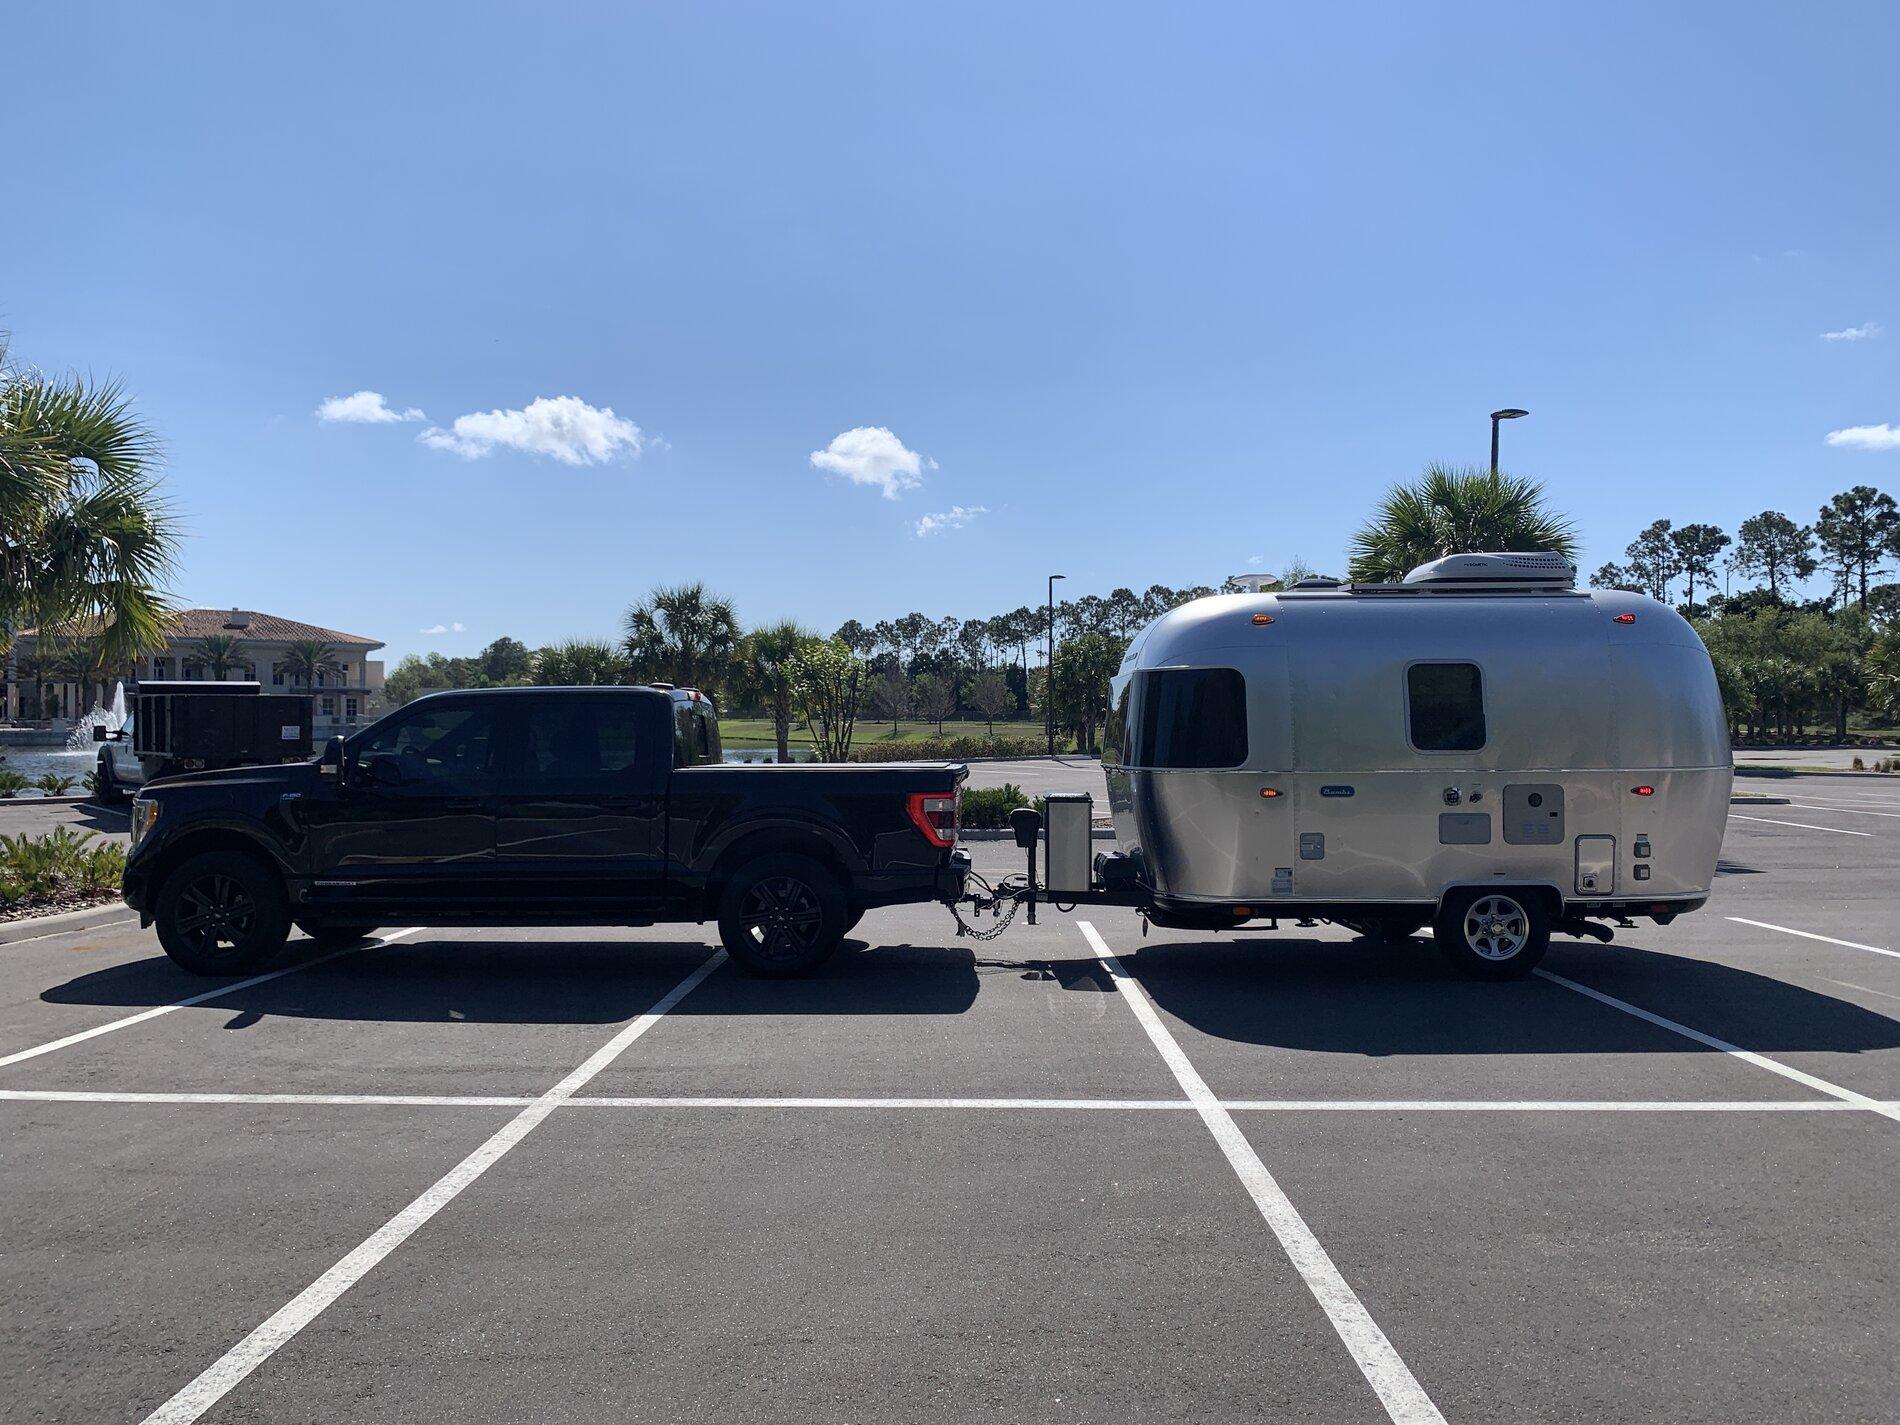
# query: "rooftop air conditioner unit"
1540,569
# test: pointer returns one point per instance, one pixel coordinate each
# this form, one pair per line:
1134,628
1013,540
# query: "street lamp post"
1509,413
1049,672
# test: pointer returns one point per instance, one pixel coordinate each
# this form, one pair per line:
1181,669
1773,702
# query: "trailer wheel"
1492,934
782,916
222,913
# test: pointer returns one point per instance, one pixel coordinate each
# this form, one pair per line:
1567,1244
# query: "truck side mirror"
98,732
1026,822
330,764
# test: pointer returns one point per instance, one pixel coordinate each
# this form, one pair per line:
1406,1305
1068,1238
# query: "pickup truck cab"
539,806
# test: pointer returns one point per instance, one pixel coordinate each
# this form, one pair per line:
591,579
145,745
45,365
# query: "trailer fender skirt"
1585,929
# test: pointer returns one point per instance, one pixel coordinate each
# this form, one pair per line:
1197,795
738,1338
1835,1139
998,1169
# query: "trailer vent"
1520,570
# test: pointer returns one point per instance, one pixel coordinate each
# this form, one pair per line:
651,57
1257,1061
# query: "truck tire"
1493,933
109,793
782,916
222,913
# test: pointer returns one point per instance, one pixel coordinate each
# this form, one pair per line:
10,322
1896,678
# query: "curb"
1758,801
966,833
9,803
35,927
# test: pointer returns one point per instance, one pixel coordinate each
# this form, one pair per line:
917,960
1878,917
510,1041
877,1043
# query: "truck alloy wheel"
1493,934
782,916
222,913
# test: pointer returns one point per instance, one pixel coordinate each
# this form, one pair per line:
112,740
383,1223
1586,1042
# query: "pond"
34,761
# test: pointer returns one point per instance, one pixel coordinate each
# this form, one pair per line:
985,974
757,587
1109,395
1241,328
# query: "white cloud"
445,628
1256,560
1866,331
871,455
956,517
565,427
1880,437
365,408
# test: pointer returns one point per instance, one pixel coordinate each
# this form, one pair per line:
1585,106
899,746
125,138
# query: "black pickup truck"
539,806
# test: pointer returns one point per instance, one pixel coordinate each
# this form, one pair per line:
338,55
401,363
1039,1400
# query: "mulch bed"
75,900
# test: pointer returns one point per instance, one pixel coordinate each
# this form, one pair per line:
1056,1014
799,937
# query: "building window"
349,708
1446,703
329,707
158,667
277,677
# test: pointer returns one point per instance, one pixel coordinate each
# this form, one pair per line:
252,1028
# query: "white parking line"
1852,811
1254,1105
1804,825
1391,1379
1810,935
208,995
229,1370
1760,1061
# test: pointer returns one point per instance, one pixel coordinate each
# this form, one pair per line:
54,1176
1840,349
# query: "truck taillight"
936,816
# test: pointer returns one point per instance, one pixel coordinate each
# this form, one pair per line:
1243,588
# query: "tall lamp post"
1509,413
1049,674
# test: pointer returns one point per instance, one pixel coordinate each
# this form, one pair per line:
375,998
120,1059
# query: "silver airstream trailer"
1483,747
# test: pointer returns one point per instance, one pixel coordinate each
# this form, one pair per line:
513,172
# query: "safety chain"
1002,901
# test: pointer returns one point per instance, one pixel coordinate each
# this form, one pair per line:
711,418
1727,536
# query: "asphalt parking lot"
1072,1174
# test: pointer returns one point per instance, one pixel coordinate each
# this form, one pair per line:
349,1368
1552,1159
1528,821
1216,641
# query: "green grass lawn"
757,731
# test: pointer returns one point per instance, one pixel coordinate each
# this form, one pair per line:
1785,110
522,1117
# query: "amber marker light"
1269,791
1262,619
1243,911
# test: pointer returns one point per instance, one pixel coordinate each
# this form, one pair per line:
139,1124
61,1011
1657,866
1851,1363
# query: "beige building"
345,698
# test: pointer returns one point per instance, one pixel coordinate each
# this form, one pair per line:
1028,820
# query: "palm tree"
306,660
1456,511
682,635
85,540
218,654
766,655
579,663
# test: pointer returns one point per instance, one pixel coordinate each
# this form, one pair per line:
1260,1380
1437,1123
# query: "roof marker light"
1263,619
1625,618
1644,791
1269,791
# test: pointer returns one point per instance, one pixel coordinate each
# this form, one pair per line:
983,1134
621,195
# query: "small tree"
936,698
218,654
1652,563
505,661
990,695
1856,530
579,663
828,679
890,696
307,659
1696,547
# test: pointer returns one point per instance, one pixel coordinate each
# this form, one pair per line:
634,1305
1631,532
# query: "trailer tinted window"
1447,706
1190,717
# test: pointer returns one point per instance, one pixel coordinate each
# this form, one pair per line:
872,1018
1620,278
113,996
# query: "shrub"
946,749
989,807
13,783
1860,765
60,863
54,784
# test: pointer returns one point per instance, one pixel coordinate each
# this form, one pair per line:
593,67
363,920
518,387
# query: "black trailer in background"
190,726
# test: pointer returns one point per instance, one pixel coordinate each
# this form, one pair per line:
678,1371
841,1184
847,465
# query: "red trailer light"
1625,618
1644,791
935,815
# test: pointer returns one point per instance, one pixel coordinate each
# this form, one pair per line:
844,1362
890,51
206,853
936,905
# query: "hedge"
948,749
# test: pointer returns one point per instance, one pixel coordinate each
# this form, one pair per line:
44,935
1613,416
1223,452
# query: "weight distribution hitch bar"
1001,901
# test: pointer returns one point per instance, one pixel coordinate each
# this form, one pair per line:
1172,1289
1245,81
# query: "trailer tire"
1493,932
782,916
222,913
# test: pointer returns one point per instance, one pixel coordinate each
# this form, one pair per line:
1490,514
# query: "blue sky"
1160,290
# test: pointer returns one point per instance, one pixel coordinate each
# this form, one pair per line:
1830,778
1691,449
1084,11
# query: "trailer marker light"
1269,791
1243,911
1644,791
1263,619
1625,618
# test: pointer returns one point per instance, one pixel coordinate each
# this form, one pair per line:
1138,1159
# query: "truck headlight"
144,818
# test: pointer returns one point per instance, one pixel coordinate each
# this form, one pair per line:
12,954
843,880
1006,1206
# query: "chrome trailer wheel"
1493,934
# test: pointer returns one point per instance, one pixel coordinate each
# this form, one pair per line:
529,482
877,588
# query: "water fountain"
112,719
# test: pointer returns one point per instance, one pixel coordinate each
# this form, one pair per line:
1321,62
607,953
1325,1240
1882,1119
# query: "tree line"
1785,663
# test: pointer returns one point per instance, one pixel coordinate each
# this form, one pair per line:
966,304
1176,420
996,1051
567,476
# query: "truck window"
436,744
1190,717
1446,706
581,739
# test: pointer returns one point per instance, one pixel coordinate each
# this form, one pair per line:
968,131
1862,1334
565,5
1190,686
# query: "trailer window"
1447,706
1190,717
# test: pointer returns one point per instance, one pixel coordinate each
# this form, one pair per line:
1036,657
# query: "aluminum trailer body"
1358,753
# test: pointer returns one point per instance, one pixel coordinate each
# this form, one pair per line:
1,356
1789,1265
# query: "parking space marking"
1810,935
1748,1056
219,1378
1091,1105
127,919
219,993
1854,811
1404,1399
1804,825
